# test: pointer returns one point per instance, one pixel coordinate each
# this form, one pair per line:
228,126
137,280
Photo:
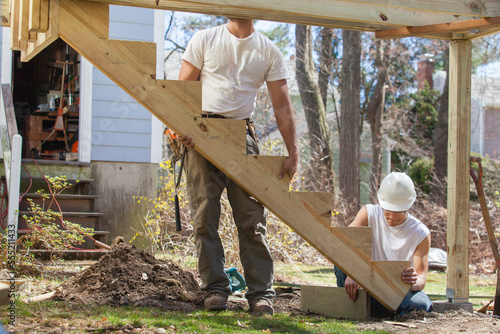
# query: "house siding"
5,56
1,48
491,133
121,127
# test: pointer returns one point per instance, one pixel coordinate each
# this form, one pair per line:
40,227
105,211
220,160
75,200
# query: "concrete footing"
442,306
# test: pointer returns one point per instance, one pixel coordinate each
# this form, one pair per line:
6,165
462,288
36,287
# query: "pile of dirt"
129,276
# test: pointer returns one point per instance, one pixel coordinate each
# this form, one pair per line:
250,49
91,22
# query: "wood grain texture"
178,104
459,134
23,20
5,14
34,16
334,302
462,26
14,29
356,15
358,237
44,15
43,39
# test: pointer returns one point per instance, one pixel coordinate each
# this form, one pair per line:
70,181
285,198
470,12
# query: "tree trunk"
321,173
325,63
350,119
374,112
440,137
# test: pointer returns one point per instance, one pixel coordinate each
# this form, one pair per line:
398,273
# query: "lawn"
50,316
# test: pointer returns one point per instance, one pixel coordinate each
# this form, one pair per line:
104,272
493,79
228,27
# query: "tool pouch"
251,129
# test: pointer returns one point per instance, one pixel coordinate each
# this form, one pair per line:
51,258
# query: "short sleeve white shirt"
233,69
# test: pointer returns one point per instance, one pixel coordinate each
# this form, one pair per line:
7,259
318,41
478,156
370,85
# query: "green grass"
107,317
306,274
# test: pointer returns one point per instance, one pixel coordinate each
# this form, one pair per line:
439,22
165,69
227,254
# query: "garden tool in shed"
59,124
478,181
178,153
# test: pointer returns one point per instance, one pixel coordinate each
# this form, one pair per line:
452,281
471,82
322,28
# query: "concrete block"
441,306
334,302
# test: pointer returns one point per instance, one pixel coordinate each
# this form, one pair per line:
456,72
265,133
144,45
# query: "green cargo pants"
205,184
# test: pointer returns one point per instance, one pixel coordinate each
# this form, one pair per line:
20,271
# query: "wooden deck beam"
435,29
348,14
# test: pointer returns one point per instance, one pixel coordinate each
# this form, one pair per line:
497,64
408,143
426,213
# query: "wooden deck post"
459,134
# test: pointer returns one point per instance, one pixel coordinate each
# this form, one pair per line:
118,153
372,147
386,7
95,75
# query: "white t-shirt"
233,69
396,243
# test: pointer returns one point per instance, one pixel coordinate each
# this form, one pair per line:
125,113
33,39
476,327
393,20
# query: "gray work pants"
205,184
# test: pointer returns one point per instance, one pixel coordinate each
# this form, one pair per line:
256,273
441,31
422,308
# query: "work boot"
262,306
215,301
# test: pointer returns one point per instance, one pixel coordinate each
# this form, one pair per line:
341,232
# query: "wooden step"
67,214
82,187
96,233
72,254
67,202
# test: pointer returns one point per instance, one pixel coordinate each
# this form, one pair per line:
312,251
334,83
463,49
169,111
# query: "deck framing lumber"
5,18
43,39
34,15
347,14
178,104
429,30
459,134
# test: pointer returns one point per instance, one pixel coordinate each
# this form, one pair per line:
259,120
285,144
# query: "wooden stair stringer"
178,104
359,238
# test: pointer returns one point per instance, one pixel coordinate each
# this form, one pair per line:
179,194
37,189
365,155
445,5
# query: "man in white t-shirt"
396,236
233,61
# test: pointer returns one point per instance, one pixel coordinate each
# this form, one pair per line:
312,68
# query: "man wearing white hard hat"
396,236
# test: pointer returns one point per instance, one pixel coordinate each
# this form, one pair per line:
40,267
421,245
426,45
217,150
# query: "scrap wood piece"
486,307
39,298
334,302
402,324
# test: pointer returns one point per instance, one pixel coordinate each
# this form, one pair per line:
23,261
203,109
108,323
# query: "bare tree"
350,120
440,137
325,62
374,112
321,174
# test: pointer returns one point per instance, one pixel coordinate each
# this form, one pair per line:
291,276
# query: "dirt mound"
129,276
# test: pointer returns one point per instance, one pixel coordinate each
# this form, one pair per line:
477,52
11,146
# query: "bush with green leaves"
47,229
425,115
420,172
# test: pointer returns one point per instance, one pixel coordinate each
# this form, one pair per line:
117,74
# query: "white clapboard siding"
5,56
121,127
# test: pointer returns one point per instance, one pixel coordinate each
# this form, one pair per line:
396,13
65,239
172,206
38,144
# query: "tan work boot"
262,306
215,301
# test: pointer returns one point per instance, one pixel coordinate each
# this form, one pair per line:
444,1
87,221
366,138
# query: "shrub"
46,228
421,173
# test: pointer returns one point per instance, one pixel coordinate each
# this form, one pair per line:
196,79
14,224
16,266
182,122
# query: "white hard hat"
397,192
